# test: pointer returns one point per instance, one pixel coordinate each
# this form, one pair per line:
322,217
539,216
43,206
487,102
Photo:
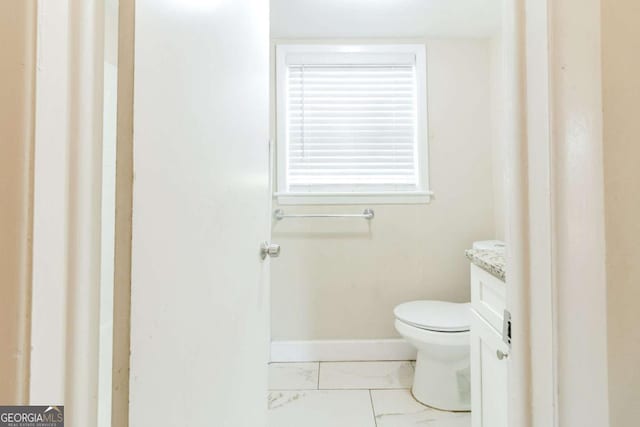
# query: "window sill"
417,198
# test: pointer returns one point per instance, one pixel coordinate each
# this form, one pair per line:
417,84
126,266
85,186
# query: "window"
351,124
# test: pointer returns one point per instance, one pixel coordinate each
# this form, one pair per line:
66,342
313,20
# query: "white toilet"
440,332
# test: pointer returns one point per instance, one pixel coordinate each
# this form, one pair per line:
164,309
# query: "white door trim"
68,170
49,283
540,233
86,69
517,219
577,215
557,291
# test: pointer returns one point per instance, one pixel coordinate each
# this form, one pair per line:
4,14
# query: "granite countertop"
489,260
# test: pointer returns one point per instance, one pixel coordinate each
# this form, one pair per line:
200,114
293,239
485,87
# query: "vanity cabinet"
489,354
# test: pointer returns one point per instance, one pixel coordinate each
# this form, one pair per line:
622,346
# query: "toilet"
440,332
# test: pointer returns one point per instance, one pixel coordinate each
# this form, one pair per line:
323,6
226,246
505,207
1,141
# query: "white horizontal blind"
351,128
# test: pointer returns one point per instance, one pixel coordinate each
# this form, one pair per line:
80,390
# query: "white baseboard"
341,350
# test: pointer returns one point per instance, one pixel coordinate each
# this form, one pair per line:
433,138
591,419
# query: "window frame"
420,196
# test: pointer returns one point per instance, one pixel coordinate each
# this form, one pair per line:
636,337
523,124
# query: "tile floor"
350,394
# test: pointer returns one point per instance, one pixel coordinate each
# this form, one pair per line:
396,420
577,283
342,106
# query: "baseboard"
341,350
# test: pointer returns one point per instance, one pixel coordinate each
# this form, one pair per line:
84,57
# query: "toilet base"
443,383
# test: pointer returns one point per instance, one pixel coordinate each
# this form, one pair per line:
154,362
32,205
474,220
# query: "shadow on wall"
323,228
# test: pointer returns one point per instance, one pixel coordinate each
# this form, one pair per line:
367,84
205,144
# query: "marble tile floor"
350,394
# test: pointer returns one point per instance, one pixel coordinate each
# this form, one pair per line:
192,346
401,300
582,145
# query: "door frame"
67,216
555,190
55,297
532,380
545,188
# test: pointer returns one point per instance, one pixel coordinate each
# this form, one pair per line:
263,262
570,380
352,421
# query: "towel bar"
367,214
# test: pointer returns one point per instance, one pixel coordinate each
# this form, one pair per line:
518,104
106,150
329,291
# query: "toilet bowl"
440,332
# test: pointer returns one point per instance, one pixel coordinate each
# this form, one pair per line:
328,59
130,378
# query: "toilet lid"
436,316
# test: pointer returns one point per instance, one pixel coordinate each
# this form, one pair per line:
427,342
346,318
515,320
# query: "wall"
17,67
385,18
341,279
621,101
498,142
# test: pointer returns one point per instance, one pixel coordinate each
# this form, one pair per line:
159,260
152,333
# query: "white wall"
498,142
340,279
621,101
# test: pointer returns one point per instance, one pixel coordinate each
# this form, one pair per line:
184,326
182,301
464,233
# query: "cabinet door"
488,375
488,296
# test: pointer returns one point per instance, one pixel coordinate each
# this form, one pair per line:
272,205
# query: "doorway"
336,355
175,13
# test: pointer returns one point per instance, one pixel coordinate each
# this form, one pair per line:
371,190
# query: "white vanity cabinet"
489,354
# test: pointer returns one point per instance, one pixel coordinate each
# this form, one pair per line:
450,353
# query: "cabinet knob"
501,354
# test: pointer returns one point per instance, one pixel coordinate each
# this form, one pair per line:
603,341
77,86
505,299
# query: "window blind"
351,128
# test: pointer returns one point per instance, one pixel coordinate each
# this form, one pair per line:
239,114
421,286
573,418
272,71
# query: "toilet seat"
436,316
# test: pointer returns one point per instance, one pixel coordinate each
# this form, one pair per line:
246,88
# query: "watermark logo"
31,416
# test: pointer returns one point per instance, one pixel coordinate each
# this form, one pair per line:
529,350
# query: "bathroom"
383,163
336,357
255,213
